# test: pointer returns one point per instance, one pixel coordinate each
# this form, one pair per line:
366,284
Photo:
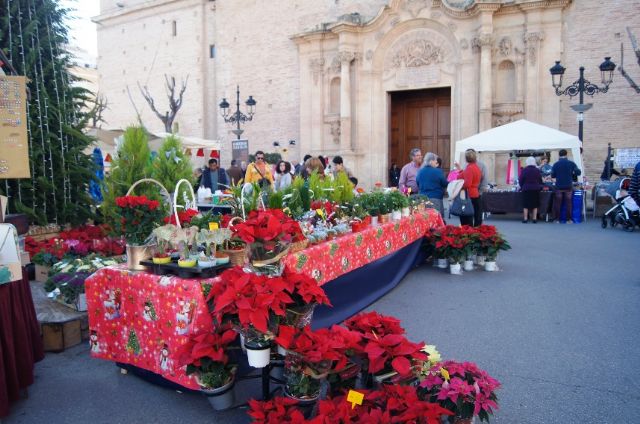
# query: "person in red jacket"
472,175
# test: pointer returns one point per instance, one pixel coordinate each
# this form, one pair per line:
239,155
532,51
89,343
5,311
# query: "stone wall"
593,29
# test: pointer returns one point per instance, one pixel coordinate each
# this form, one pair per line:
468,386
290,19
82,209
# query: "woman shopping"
472,176
531,185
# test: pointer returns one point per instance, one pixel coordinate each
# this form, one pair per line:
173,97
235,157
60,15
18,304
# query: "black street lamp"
238,116
582,86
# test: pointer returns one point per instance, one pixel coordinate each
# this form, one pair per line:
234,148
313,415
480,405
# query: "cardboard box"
42,273
58,336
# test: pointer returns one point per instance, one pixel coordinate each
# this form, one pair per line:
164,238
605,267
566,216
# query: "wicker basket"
237,257
298,246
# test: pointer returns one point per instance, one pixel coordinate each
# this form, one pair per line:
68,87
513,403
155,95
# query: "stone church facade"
370,80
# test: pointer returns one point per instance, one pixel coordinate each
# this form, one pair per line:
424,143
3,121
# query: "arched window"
506,82
334,96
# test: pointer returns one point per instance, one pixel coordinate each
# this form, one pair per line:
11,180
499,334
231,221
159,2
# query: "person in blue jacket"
563,171
431,181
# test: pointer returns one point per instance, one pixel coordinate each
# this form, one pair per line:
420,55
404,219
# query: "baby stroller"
625,212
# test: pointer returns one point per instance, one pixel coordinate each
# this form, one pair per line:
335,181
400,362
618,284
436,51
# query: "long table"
512,202
139,319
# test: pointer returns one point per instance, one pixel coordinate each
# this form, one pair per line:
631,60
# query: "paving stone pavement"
558,325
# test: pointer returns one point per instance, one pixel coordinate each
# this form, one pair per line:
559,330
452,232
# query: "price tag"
355,398
445,374
213,226
320,212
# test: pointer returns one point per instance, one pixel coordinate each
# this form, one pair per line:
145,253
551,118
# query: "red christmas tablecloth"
329,260
140,319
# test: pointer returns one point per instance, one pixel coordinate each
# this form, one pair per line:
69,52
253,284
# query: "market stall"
138,318
511,202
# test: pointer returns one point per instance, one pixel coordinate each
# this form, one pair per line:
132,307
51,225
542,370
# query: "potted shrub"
138,217
463,389
204,354
396,202
305,294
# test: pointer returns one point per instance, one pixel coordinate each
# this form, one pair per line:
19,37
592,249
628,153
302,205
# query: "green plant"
203,219
275,200
172,165
342,189
132,163
396,200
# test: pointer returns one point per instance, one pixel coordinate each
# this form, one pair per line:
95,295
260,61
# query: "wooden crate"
58,336
42,273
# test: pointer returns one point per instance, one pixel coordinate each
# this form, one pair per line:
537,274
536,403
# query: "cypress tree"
33,35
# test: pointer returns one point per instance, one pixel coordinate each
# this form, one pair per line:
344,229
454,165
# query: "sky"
82,32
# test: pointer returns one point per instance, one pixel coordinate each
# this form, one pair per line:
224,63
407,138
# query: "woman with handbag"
472,176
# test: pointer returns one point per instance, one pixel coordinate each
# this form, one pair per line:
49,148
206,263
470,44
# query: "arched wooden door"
420,118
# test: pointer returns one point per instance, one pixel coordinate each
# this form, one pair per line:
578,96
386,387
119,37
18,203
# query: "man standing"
259,172
338,166
214,177
410,171
563,171
235,173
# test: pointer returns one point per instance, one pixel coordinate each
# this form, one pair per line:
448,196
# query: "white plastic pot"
406,211
455,269
396,215
490,266
479,260
282,351
468,265
374,221
258,358
442,263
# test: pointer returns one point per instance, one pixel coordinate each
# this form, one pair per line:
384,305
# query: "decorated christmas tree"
33,35
133,344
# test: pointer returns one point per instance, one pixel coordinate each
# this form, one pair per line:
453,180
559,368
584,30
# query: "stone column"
317,114
484,42
345,99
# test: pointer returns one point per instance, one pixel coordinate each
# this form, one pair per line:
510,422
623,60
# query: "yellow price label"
355,398
445,374
213,226
320,212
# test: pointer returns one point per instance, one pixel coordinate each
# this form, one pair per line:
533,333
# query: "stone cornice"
128,10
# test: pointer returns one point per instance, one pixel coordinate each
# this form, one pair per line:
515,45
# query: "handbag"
462,206
262,182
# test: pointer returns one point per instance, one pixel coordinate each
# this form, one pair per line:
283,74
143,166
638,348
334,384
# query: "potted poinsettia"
204,354
452,244
305,294
463,389
268,234
138,217
277,410
491,243
251,303
311,355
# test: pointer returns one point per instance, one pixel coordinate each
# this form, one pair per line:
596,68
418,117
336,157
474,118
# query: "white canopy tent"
520,135
194,142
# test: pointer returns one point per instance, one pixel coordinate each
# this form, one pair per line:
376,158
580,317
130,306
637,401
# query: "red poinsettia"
462,388
275,411
185,217
138,217
268,227
204,345
248,298
304,289
316,347
373,324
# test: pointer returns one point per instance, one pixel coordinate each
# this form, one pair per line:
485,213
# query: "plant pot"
479,260
258,357
207,263
374,221
490,266
81,302
383,219
222,259
396,215
187,263
459,420
297,384
221,398
281,351
242,346
300,316
406,211
267,262
455,269
442,263
468,265
162,261
135,254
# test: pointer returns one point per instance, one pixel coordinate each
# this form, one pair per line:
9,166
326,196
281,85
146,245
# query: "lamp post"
237,117
582,86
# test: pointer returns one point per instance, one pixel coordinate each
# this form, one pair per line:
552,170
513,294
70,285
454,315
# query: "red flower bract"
268,225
